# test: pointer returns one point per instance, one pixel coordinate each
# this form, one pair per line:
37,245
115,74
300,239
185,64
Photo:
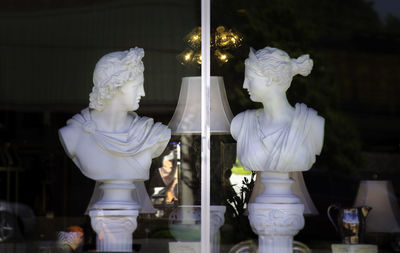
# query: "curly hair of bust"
112,71
276,66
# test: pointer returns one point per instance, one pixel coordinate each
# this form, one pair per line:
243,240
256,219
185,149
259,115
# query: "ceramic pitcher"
350,222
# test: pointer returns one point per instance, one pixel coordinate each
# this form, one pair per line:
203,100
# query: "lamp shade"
299,188
385,213
187,115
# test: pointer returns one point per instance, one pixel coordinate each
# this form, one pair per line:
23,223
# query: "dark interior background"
48,50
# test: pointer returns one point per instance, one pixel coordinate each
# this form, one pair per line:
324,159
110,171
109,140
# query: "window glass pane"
352,85
49,51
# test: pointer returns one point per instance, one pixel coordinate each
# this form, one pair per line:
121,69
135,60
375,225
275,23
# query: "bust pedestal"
114,229
217,220
114,216
181,218
354,248
276,224
117,195
276,216
277,189
184,247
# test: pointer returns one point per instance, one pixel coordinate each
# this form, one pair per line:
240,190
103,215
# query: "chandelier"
222,40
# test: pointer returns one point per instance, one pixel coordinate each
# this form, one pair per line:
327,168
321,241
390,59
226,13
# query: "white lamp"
187,121
385,213
187,115
299,188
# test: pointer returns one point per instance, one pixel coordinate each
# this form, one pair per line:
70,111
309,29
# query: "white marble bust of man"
108,141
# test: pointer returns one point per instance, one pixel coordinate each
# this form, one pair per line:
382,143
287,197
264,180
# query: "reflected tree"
298,27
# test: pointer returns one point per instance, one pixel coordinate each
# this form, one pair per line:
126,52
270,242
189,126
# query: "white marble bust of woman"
278,137
108,141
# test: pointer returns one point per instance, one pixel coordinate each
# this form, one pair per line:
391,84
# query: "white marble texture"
278,137
114,229
275,140
108,141
113,145
276,224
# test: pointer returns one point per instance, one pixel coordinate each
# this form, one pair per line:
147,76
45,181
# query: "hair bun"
302,65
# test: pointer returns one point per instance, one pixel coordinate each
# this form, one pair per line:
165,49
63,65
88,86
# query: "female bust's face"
256,86
131,92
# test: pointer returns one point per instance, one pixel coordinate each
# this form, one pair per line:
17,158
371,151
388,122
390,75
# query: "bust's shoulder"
312,115
71,133
69,130
155,134
69,136
316,126
319,122
318,131
238,120
316,121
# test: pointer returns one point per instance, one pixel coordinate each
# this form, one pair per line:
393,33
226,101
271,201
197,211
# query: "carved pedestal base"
188,217
184,247
354,248
217,220
114,229
276,224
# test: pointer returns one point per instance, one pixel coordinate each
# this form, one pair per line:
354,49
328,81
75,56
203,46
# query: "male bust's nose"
141,92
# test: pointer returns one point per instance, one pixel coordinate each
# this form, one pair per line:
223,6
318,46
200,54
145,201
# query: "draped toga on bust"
290,148
130,152
142,134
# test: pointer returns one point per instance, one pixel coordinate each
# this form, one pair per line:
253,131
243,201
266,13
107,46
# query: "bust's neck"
110,120
277,109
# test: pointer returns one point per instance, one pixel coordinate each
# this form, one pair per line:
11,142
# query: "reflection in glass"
222,41
164,179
